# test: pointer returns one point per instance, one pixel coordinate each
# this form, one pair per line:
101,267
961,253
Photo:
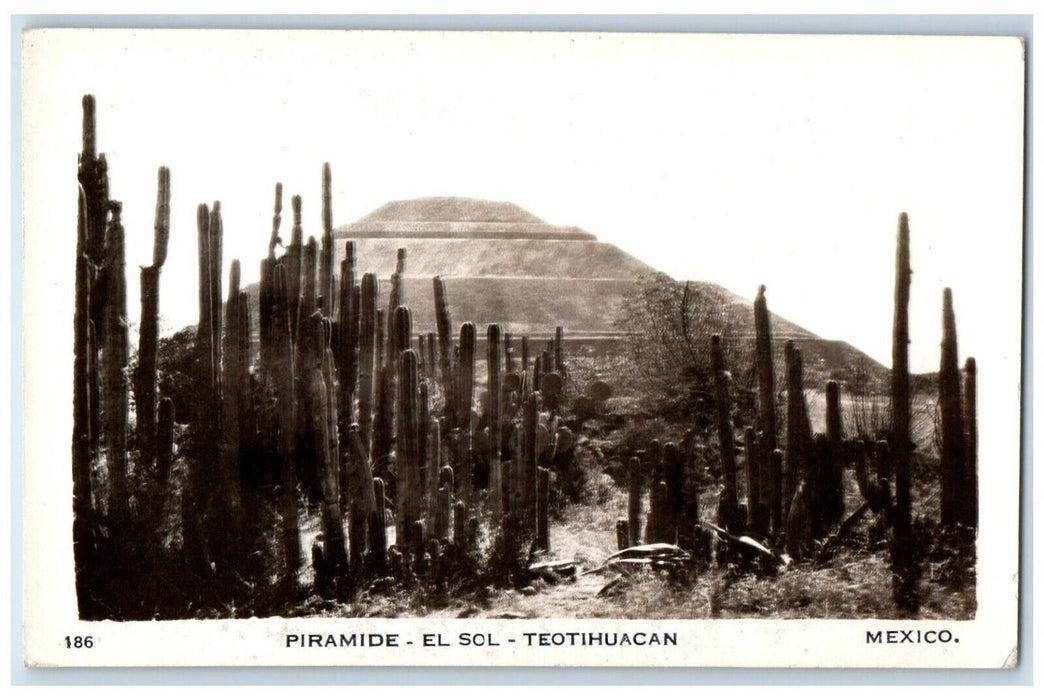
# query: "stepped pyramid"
501,264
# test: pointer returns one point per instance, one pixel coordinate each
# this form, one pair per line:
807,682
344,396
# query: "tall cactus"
756,510
115,352
772,493
465,394
282,377
799,431
326,259
530,453
495,389
408,446
543,522
231,390
971,443
294,261
335,551
347,340
952,461
445,330
728,507
832,497
903,563
148,335
367,357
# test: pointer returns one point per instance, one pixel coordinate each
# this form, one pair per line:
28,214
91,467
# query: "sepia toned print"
478,429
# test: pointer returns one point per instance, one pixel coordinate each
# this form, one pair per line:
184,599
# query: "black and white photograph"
538,348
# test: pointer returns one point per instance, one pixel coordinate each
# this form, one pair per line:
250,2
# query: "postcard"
389,348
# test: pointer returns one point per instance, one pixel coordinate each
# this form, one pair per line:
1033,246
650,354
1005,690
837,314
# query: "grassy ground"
854,584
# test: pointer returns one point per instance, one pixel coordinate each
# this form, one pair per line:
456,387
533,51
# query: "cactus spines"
729,504
952,459
903,564
493,341
971,444
634,500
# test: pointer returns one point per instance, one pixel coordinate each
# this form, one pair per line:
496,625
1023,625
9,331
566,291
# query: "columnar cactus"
408,453
799,431
309,281
459,522
526,369
543,524
347,341
444,504
115,352
445,329
377,532
832,489
326,260
231,393
756,511
495,389
509,356
334,541
367,357
559,351
384,408
903,564
282,377
465,393
728,507
528,475
359,487
148,335
772,491
952,461
293,256
971,444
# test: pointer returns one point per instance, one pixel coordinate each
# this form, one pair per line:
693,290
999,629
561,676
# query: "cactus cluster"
795,493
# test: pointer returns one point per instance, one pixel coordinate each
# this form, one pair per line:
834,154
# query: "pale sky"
741,160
